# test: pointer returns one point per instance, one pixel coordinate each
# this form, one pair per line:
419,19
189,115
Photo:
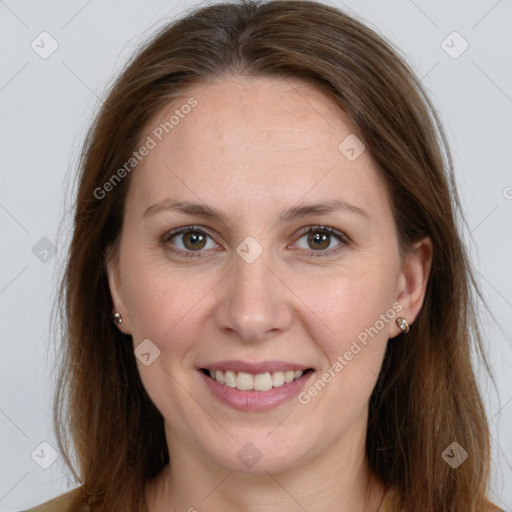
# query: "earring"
402,323
116,318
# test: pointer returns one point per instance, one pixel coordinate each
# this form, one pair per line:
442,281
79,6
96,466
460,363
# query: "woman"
267,212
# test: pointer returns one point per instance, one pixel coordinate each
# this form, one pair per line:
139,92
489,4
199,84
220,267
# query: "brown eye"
194,240
319,240
188,240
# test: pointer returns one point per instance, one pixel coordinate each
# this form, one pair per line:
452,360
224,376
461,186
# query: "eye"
188,240
320,238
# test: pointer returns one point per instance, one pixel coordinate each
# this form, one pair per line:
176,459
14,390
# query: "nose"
254,303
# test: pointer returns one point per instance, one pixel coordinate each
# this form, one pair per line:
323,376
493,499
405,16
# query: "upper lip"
255,368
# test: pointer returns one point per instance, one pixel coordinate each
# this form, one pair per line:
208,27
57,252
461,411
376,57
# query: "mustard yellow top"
390,502
61,503
58,504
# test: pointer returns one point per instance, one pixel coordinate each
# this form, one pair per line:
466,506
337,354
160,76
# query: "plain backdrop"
48,101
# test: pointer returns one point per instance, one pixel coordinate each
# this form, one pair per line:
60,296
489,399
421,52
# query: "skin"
253,148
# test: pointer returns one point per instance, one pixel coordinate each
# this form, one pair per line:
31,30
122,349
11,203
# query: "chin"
259,457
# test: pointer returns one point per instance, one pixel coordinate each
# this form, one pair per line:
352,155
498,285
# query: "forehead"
235,110
253,139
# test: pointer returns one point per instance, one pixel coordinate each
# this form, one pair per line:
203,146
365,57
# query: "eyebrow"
295,212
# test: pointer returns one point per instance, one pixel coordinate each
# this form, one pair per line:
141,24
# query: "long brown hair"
426,396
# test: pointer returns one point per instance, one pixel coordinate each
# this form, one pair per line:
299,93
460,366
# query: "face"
291,257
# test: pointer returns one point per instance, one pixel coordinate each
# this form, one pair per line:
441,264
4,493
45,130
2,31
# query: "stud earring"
116,318
402,323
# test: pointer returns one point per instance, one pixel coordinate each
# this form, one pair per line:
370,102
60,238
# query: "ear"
114,284
412,282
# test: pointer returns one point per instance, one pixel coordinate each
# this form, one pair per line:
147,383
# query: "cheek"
160,302
350,304
356,314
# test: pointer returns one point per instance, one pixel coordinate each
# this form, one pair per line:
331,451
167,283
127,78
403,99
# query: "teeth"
229,379
277,379
260,382
244,381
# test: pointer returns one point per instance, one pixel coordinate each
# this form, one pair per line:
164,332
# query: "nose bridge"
254,301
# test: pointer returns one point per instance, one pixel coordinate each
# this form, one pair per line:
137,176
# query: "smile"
253,392
245,381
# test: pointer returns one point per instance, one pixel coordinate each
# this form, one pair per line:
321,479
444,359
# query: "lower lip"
255,400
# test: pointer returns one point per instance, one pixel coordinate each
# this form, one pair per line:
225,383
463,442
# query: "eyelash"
345,241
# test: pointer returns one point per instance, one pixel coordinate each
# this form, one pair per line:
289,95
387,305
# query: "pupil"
192,239
320,238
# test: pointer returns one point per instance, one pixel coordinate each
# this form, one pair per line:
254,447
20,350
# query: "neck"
338,479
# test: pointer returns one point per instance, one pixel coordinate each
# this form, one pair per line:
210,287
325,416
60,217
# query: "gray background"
47,104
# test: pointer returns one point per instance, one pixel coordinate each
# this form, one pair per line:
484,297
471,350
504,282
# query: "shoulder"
390,501
59,504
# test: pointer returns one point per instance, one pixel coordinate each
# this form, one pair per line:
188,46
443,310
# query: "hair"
426,396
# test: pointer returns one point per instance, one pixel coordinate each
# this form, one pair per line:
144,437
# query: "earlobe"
413,279
114,283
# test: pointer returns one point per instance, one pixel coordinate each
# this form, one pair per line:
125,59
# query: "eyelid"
186,229
326,229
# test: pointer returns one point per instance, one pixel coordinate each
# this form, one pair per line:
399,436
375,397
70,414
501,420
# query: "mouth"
259,382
